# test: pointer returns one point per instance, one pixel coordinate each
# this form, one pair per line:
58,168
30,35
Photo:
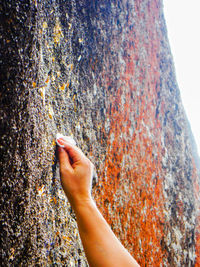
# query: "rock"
102,72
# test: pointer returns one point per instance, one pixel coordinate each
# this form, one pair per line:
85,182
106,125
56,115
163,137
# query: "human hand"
76,172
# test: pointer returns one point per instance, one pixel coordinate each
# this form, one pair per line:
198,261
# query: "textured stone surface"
101,71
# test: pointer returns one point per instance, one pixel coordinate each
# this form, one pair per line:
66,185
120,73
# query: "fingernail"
58,143
68,139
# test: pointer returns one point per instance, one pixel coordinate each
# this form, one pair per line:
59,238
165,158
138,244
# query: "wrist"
80,204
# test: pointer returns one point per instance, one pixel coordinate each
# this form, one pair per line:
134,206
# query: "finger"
66,138
64,160
74,152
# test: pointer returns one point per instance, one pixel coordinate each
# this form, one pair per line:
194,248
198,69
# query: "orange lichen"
137,215
34,84
197,207
47,80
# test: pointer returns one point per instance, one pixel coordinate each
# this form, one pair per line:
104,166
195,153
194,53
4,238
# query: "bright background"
183,24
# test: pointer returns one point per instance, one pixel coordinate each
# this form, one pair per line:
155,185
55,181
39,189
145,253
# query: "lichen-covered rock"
101,71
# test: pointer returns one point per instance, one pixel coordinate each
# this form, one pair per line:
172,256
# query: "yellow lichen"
53,59
41,190
62,87
76,232
78,126
34,84
42,93
46,44
71,66
57,32
35,2
12,251
55,200
51,113
67,85
53,143
66,238
80,40
44,25
75,106
68,94
70,25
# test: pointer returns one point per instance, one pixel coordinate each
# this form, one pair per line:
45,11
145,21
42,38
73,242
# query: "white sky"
183,23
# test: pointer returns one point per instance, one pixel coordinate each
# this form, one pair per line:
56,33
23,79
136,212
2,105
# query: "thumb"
74,153
64,160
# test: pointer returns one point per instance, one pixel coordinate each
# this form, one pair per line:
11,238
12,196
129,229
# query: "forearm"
101,246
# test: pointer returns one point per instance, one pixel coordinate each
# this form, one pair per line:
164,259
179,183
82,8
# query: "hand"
76,172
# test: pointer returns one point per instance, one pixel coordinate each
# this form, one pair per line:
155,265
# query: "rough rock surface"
101,71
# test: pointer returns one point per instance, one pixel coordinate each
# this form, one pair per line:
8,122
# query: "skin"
101,246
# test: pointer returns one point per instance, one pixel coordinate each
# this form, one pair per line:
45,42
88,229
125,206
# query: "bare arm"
101,246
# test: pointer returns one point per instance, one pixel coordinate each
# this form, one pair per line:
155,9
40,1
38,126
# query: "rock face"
101,71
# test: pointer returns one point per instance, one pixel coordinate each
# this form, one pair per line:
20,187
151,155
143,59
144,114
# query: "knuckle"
87,162
90,165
